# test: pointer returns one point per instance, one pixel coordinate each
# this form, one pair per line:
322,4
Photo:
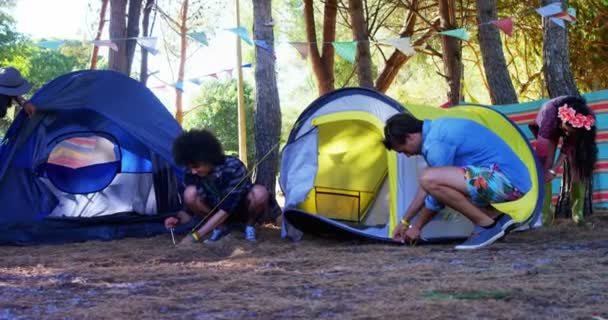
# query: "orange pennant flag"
506,25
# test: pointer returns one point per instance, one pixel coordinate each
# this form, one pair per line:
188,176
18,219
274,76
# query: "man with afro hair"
216,182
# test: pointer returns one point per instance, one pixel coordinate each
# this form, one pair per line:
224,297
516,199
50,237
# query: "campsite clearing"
558,272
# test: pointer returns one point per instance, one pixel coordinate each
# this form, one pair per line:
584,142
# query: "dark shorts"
489,185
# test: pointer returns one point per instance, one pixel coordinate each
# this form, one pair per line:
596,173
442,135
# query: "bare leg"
194,202
257,200
448,186
491,212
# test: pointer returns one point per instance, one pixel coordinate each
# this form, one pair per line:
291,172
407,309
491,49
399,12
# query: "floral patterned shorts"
489,185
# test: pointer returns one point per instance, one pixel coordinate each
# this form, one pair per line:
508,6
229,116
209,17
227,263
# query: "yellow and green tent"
338,178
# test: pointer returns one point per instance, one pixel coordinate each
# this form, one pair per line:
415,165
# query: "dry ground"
560,272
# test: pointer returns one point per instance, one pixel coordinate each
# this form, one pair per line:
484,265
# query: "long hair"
585,155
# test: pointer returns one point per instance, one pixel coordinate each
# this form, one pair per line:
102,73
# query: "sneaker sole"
481,245
509,226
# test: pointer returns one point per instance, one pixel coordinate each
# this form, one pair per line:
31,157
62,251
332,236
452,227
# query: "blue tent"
94,162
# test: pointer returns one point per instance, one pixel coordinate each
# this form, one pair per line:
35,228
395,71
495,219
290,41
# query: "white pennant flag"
106,43
403,45
149,43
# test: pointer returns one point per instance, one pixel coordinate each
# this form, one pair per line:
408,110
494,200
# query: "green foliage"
46,64
216,109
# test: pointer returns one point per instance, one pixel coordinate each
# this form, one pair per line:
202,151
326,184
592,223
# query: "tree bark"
267,106
322,64
502,90
556,58
452,51
363,57
132,31
183,30
143,73
102,22
118,32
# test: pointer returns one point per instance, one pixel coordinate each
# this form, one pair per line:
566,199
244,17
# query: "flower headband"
568,115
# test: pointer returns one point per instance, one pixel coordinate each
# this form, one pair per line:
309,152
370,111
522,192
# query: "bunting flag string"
180,85
345,49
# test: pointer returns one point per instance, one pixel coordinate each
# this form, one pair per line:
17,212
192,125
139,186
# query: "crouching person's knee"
190,196
429,179
258,196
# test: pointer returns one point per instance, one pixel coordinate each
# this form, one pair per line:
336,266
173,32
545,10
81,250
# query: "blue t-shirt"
459,142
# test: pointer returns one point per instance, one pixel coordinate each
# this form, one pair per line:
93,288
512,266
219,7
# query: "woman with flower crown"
569,119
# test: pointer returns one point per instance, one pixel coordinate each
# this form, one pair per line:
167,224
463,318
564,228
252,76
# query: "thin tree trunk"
143,75
452,51
556,62
364,58
502,90
132,31
102,22
267,106
118,31
183,30
322,64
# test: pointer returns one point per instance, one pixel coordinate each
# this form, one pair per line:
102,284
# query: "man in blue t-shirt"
469,168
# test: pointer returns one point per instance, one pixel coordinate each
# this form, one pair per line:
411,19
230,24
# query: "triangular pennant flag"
213,75
229,71
179,86
446,104
302,48
506,25
248,65
264,45
461,34
149,43
559,22
572,12
106,43
346,50
200,37
565,16
402,44
242,33
196,81
550,9
50,44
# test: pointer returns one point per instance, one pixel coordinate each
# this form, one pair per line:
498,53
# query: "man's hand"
412,234
187,241
171,222
399,232
30,109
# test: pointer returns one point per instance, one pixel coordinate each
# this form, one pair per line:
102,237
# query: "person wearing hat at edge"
12,87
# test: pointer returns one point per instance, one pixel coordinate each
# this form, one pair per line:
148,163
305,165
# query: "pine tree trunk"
363,58
452,51
494,63
322,64
267,107
143,73
102,22
118,32
132,31
179,113
556,54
